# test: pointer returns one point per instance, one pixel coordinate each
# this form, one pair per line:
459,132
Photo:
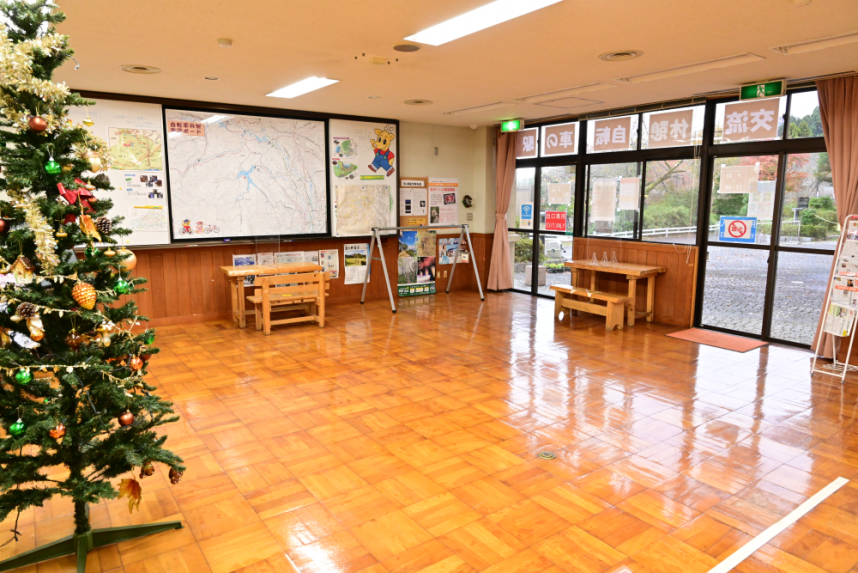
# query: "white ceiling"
279,42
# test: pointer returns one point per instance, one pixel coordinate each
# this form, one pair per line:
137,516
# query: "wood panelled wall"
187,285
674,290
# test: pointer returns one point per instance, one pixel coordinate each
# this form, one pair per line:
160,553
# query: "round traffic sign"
737,229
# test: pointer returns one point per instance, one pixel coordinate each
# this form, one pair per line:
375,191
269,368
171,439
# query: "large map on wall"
242,175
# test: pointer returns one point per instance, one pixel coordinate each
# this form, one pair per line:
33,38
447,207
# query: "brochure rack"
376,240
841,300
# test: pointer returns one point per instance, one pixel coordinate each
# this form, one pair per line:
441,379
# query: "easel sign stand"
376,239
842,299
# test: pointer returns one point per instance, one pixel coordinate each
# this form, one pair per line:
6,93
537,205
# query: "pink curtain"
838,109
500,272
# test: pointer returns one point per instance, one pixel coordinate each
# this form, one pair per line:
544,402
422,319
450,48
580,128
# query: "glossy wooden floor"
409,443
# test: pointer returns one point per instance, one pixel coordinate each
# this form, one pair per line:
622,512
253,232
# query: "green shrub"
822,203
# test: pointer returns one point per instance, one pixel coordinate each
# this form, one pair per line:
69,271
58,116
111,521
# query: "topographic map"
246,175
135,149
362,207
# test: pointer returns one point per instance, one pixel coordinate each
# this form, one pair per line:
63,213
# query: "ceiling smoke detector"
135,69
418,102
406,47
621,56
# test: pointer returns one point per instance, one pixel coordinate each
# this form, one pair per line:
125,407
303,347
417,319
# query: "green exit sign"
512,125
767,89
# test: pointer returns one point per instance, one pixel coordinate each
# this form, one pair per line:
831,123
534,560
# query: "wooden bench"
302,291
614,311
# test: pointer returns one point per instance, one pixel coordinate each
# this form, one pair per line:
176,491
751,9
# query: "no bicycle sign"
738,230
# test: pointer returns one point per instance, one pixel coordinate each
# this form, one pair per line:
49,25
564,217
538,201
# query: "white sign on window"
739,178
761,205
612,134
559,139
630,194
670,129
604,199
559,193
751,121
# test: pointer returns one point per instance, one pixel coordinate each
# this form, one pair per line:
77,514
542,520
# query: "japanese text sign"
559,139
670,129
187,127
525,143
739,178
612,134
555,221
750,121
737,229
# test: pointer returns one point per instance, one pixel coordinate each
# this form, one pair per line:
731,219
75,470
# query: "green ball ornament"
17,429
150,340
122,286
53,167
23,377
91,251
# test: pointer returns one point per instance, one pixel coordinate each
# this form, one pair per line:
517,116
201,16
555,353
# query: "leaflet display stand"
376,240
841,301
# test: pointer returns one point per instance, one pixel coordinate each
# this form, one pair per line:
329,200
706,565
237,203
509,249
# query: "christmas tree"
72,355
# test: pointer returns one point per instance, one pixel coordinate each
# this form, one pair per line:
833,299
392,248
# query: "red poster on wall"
555,221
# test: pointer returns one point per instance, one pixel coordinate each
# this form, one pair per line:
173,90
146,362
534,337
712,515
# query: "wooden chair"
303,291
613,311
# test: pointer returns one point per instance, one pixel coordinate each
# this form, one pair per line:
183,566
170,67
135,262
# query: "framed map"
235,175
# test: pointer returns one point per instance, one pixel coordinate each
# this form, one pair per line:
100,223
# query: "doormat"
718,339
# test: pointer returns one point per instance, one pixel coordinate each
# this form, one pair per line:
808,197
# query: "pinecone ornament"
175,476
84,294
27,310
103,225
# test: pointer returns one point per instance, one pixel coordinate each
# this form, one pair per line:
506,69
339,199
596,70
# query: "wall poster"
414,202
416,263
355,261
443,202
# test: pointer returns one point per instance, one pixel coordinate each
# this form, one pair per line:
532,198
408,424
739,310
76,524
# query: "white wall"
463,153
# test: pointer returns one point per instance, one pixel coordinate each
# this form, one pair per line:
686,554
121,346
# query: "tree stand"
82,543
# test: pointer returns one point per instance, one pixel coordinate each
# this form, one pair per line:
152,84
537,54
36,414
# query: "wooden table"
236,277
632,273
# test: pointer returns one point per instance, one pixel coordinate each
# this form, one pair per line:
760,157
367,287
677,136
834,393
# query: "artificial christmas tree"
75,411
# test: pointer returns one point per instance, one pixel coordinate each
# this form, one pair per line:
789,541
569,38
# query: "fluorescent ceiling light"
693,68
567,102
820,44
215,118
497,105
302,87
563,94
479,19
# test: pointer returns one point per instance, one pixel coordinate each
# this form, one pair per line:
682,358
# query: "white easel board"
134,132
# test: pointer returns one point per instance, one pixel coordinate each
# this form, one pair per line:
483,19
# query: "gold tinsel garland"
46,244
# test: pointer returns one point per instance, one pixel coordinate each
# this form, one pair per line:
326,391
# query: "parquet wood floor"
408,443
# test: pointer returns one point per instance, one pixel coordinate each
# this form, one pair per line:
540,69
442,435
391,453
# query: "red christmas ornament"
135,363
58,433
4,226
38,124
126,419
146,357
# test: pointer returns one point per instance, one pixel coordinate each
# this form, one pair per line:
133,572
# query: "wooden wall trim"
186,284
675,289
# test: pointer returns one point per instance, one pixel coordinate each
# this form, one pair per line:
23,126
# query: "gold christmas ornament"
94,159
87,225
30,312
46,244
88,121
84,294
129,263
109,252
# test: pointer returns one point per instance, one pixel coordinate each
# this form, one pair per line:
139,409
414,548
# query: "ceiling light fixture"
479,19
496,105
224,42
211,78
820,44
418,102
136,69
562,94
304,86
621,56
693,68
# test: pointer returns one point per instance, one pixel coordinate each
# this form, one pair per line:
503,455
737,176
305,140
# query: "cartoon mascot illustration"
383,156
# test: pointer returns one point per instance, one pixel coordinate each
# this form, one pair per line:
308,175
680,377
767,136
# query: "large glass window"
522,195
809,213
554,250
804,120
614,198
671,194
557,198
612,134
521,245
735,289
799,294
744,187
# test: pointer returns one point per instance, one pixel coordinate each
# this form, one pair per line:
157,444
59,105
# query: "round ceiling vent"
621,56
132,69
406,47
418,102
